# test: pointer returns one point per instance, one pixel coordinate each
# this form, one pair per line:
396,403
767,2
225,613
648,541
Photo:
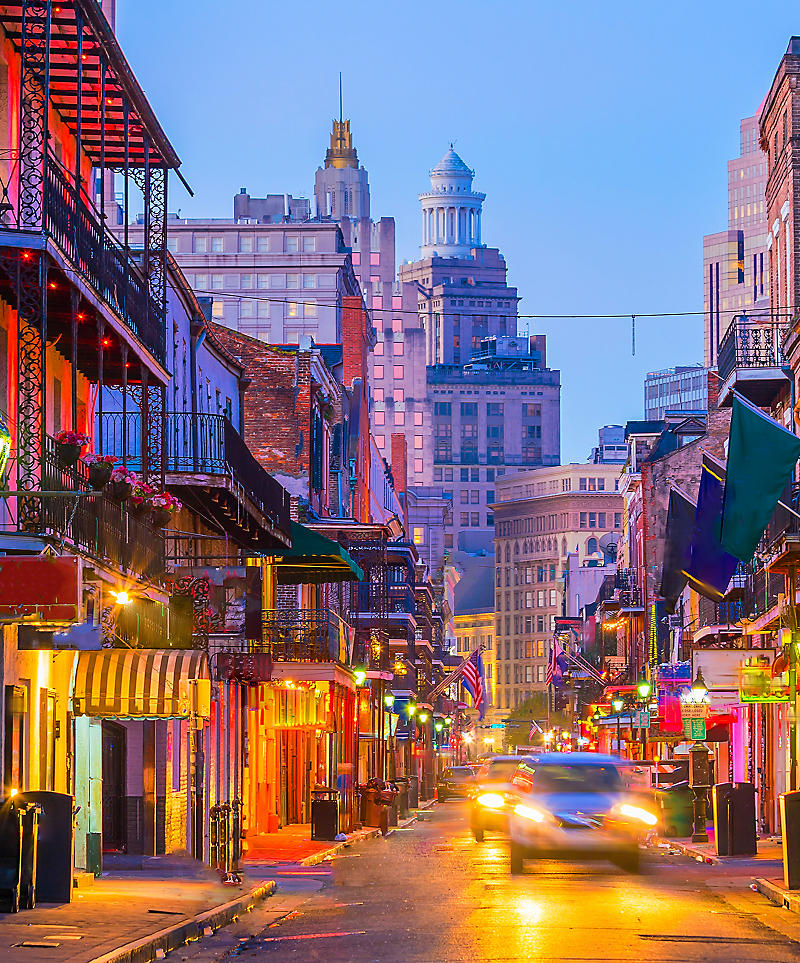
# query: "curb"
777,895
172,937
690,851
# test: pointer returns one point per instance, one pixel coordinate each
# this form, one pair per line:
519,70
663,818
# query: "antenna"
340,97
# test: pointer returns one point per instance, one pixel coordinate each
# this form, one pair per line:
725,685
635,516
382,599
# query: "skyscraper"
735,263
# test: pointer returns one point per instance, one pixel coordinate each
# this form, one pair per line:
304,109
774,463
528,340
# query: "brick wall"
277,407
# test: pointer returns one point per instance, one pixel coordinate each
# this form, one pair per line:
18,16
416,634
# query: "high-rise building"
611,448
735,269
682,388
543,516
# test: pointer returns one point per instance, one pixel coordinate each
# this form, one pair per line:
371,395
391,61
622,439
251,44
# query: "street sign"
694,710
641,719
694,729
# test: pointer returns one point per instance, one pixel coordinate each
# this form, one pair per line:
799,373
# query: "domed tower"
451,210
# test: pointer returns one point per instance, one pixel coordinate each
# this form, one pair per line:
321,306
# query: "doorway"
114,786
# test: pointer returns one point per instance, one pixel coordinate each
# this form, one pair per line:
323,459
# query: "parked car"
574,805
492,799
457,781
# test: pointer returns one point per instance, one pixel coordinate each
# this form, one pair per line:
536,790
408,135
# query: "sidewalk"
769,853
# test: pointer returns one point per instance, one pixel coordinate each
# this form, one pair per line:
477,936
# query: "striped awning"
141,683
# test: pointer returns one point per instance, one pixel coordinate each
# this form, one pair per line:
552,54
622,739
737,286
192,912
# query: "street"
429,893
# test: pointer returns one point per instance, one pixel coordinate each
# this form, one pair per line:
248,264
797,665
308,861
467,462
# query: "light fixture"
565,734
644,689
411,708
699,688
617,704
388,700
360,676
12,793
423,717
448,720
122,597
438,726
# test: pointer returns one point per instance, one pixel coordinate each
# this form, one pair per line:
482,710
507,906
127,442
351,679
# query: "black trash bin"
790,833
55,849
742,838
394,807
402,797
10,853
721,796
30,853
324,813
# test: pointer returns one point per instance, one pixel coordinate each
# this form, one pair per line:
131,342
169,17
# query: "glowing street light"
423,717
617,704
360,676
388,700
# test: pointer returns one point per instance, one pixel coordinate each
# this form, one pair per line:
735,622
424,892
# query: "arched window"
563,546
591,546
516,548
508,552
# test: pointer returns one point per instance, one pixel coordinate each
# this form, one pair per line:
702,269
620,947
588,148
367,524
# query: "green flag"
761,458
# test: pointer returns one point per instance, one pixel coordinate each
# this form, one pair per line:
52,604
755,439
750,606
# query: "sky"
599,132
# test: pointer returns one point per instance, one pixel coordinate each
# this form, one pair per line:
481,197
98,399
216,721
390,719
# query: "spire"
341,153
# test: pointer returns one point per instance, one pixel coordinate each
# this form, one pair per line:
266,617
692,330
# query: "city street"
430,893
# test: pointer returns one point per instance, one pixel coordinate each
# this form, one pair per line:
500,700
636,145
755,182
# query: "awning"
314,559
142,684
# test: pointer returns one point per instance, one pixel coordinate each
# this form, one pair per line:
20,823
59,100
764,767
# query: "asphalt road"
429,893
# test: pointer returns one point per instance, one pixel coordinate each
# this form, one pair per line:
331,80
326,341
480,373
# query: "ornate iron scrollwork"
34,94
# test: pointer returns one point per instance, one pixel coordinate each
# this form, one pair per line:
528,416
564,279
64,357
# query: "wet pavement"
430,893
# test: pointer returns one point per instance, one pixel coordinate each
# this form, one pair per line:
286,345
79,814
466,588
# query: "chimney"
354,340
712,380
399,464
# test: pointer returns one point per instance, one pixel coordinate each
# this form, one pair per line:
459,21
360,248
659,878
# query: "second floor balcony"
206,458
307,635
751,361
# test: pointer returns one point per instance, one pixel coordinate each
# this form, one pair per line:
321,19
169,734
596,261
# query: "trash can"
30,854
742,837
790,842
394,806
10,853
371,812
675,803
721,796
324,813
413,792
402,796
55,847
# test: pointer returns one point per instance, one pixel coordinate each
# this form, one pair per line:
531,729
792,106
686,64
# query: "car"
489,806
575,805
456,781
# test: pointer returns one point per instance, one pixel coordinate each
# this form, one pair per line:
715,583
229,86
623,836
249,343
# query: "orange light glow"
52,284
106,342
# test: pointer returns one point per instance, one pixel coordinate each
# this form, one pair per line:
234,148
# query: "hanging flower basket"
120,486
100,469
164,506
159,517
69,445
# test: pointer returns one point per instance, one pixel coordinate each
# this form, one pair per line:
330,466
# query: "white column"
478,232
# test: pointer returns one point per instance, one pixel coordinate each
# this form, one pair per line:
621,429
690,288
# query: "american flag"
472,680
553,668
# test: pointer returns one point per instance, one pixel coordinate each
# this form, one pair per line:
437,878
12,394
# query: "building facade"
542,517
735,268
682,388
611,448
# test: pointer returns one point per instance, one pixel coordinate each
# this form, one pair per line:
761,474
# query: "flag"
677,548
472,678
710,566
761,458
554,671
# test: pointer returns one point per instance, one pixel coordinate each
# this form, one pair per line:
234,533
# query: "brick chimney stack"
399,464
354,340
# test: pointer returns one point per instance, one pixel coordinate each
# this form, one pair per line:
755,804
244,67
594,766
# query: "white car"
574,806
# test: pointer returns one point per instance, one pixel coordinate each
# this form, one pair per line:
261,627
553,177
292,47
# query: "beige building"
540,517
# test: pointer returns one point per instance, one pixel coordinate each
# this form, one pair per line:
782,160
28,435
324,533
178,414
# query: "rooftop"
451,163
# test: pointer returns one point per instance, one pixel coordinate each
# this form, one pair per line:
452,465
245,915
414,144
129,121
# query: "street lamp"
360,676
617,705
411,708
438,726
644,689
699,689
423,717
388,700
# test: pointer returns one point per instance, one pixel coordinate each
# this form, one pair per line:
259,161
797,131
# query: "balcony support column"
75,300
101,351
102,153
144,424
124,355
79,106
34,99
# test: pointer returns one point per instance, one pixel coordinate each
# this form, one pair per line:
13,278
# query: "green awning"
314,559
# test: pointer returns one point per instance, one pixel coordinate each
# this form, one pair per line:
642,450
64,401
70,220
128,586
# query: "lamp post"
617,705
695,705
643,689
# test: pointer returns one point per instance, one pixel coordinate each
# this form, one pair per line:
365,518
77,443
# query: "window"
494,409
291,309
246,281
380,441
617,519
583,519
309,281
293,281
418,419
399,418
310,309
464,496
217,281
398,395
377,371
292,243
398,348
397,371
246,309
476,519
200,244
397,323
172,245
216,245
309,242
419,535
375,258
378,394
379,417
465,519
469,409
437,474
418,464
448,540
442,408
217,310
418,442
272,280
378,349
262,244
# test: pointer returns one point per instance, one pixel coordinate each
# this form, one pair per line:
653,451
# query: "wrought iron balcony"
307,635
91,524
202,444
751,361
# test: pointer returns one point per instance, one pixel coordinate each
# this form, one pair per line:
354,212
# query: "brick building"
541,517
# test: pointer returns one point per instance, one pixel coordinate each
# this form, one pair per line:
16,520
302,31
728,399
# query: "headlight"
527,812
491,800
636,812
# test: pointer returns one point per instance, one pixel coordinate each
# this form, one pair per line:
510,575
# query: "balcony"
208,462
91,524
306,635
752,362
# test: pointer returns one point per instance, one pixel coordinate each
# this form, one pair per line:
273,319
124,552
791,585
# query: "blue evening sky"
599,132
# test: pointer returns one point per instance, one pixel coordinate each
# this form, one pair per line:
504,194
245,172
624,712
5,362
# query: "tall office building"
735,261
682,388
611,448
542,517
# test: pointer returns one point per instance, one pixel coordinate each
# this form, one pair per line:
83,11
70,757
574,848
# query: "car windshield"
555,778
457,774
501,770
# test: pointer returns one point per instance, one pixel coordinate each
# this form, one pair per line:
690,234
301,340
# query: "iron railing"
750,344
630,595
100,259
201,443
92,524
306,635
